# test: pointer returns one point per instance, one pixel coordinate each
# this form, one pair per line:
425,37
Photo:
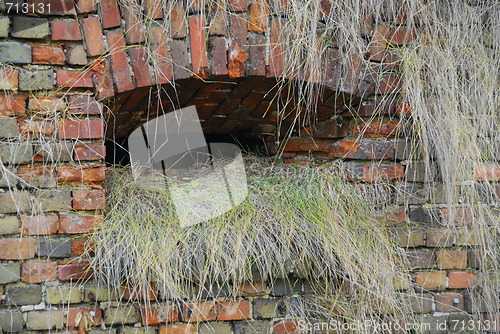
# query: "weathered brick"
9,225
421,303
276,53
377,47
218,55
74,224
110,14
440,237
140,67
74,79
64,294
92,33
245,327
218,328
180,59
9,79
36,128
259,16
38,272
238,46
23,295
15,202
86,6
11,321
253,289
452,259
10,273
462,280
14,52
54,152
12,104
75,55
487,173
153,9
52,200
285,286
54,247
81,129
421,259
160,54
268,308
66,30
43,320
48,54
374,172
435,280
80,246
256,64
122,315
47,105
8,178
94,150
36,80
204,311
233,310
134,26
37,177
178,23
453,302
177,329
285,326
402,35
93,293
8,127
119,61
80,174
199,57
4,26
74,271
159,314
30,27
95,315
39,225
88,199
218,24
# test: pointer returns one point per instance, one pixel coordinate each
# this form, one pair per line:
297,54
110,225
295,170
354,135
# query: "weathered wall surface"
52,130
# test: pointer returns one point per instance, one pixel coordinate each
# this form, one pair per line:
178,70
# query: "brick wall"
67,69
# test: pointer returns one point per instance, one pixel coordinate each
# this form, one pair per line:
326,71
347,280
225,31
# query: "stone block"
30,27
8,178
10,272
11,321
15,202
9,225
64,294
4,26
54,247
217,328
14,52
122,315
52,200
36,80
268,308
8,127
23,295
16,153
43,320
94,293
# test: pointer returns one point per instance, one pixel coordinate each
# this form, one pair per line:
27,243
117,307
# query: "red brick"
432,280
88,199
276,53
446,302
388,85
102,79
219,56
460,216
94,150
139,62
12,105
79,246
452,259
80,174
74,271
377,47
237,48
9,79
233,311
130,293
462,279
487,173
38,272
94,314
110,14
86,6
17,248
44,104
199,312
306,144
363,150
378,128
66,31
402,35
36,128
218,23
377,172
122,76
84,105
199,55
159,315
238,5
286,326
47,54
177,329
259,16
75,224
154,9
257,55
159,51
81,128
37,176
134,27
39,225
74,79
177,20
92,33
253,289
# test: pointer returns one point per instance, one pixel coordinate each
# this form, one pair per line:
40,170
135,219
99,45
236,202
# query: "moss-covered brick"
11,321
10,272
23,295
30,27
14,52
36,80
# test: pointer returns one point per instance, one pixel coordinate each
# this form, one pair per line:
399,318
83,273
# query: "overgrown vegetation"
302,221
